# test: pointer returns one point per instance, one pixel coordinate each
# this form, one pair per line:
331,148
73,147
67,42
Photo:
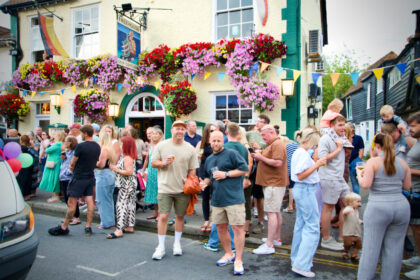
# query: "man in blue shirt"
355,157
191,135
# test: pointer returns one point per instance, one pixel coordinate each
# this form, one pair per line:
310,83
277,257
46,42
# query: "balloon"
26,160
12,150
15,164
16,173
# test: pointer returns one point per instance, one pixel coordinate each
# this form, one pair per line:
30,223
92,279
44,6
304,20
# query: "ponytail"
387,146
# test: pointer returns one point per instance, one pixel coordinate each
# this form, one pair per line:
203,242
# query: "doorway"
141,124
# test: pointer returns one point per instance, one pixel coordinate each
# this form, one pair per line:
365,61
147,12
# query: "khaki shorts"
179,200
273,198
233,215
332,190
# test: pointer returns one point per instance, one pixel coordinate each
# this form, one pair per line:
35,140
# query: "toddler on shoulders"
334,109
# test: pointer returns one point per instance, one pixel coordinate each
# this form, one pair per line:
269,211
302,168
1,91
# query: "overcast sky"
370,27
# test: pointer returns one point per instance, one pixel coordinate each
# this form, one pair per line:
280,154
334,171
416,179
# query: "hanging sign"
128,42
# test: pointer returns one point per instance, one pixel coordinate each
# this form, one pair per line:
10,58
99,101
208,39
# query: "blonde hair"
158,130
60,136
115,132
348,132
243,141
336,104
351,197
308,135
386,110
105,141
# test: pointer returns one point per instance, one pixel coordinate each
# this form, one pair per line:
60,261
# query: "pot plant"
178,98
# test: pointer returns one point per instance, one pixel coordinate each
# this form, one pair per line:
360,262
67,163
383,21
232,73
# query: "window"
234,19
146,104
73,118
369,88
225,106
42,115
36,46
379,86
85,32
349,109
394,77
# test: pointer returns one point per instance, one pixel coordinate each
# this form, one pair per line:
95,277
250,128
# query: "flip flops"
112,235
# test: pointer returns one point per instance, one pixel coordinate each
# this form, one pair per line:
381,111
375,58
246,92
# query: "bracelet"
246,177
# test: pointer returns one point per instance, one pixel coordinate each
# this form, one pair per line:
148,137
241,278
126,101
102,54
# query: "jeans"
353,175
306,232
105,185
214,237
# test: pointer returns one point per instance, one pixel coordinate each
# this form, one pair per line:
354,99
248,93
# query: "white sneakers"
332,244
159,253
308,274
263,250
177,249
275,242
414,274
414,261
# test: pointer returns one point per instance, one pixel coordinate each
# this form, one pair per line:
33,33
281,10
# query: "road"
79,257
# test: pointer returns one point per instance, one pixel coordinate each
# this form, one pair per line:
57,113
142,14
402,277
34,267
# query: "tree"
345,62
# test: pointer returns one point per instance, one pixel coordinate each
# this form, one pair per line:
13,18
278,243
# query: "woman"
387,213
150,195
25,174
304,174
51,176
349,136
291,147
114,135
66,175
105,183
126,181
140,146
204,150
247,184
42,156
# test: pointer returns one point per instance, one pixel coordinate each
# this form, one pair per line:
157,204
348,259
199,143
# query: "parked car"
18,241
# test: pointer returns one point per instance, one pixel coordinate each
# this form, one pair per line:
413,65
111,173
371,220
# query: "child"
388,116
334,109
352,232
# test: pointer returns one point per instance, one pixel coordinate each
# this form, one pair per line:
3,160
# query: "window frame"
40,117
73,26
394,70
213,96
369,90
379,86
349,109
35,30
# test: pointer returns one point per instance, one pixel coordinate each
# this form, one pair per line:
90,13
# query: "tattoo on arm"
70,214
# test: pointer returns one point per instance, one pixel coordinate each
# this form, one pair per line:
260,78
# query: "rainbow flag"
51,43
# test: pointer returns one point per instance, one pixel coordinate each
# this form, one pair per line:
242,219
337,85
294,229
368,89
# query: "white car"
18,241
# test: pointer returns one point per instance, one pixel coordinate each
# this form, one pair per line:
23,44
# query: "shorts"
232,214
179,200
349,241
247,194
81,187
332,190
291,183
273,198
257,191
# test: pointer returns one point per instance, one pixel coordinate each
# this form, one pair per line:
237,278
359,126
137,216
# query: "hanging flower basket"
92,104
12,107
179,99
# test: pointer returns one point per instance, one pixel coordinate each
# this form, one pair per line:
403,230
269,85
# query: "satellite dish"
262,8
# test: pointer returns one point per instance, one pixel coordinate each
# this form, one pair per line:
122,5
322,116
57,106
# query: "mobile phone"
251,150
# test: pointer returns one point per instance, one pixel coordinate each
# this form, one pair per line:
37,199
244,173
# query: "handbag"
192,186
50,164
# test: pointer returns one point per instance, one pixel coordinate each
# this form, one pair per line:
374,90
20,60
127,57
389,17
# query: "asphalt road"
78,257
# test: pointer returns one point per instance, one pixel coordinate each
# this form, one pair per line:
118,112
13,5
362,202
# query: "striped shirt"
290,149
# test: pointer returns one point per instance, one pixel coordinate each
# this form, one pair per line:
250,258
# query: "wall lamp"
56,102
288,87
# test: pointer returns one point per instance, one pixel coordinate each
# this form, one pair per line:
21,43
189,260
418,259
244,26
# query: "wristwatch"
227,174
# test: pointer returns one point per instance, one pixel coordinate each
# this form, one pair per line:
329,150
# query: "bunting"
62,91
192,76
401,67
378,73
279,70
315,77
296,74
221,76
157,84
119,86
33,94
354,77
24,93
264,66
86,83
73,88
254,68
334,78
207,75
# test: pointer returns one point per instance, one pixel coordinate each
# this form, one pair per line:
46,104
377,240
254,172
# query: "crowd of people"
242,173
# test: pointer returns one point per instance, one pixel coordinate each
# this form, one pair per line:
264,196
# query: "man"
96,130
400,144
83,164
38,136
224,169
12,136
413,161
220,126
333,186
257,143
174,158
191,136
355,157
75,131
272,174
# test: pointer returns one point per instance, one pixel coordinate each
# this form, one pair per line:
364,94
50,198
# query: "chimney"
417,31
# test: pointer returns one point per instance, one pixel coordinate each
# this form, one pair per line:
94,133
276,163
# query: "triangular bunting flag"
33,94
279,70
119,86
192,76
86,83
378,73
144,88
355,76
157,84
95,80
334,78
264,66
254,68
401,67
73,88
207,75
41,92
296,74
24,93
221,76
62,91
315,77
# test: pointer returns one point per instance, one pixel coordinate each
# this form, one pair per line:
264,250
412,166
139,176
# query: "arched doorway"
145,110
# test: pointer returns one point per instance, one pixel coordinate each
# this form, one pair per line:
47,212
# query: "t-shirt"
254,135
413,161
335,168
290,149
301,160
192,140
351,225
172,177
230,190
88,154
239,148
358,144
401,148
273,176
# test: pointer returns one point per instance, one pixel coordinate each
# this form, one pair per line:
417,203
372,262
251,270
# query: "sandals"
172,222
205,227
287,210
152,217
73,223
124,231
112,235
345,256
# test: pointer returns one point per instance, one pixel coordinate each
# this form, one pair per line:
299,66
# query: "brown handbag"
192,186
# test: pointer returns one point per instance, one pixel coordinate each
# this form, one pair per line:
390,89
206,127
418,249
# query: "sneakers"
88,231
308,274
258,228
414,261
210,248
56,231
238,269
263,250
177,249
159,253
225,261
332,244
275,242
255,212
414,274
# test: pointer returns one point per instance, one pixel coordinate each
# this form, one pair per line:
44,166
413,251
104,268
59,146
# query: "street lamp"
113,110
288,87
56,102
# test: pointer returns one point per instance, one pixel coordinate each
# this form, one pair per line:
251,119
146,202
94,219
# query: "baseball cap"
96,127
75,125
181,123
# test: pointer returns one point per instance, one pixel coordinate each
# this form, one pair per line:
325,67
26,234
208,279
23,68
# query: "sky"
372,28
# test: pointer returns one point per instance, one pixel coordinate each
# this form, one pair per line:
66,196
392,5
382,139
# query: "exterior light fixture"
113,110
288,87
56,102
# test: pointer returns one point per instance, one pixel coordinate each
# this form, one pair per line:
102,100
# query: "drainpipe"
14,29
299,49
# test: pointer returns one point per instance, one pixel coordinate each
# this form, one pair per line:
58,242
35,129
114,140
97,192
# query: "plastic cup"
360,165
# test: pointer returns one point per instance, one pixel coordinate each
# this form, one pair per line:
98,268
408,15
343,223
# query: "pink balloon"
15,164
12,150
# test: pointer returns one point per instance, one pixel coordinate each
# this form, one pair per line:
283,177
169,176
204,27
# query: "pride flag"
51,43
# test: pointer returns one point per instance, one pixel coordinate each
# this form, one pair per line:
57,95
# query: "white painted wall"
5,58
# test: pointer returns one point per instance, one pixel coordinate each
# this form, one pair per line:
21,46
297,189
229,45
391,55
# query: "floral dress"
150,195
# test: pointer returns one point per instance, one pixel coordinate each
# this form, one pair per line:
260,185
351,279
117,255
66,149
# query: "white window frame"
213,96
40,117
394,77
145,114
240,8
369,90
72,115
349,109
379,86
34,31
73,25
